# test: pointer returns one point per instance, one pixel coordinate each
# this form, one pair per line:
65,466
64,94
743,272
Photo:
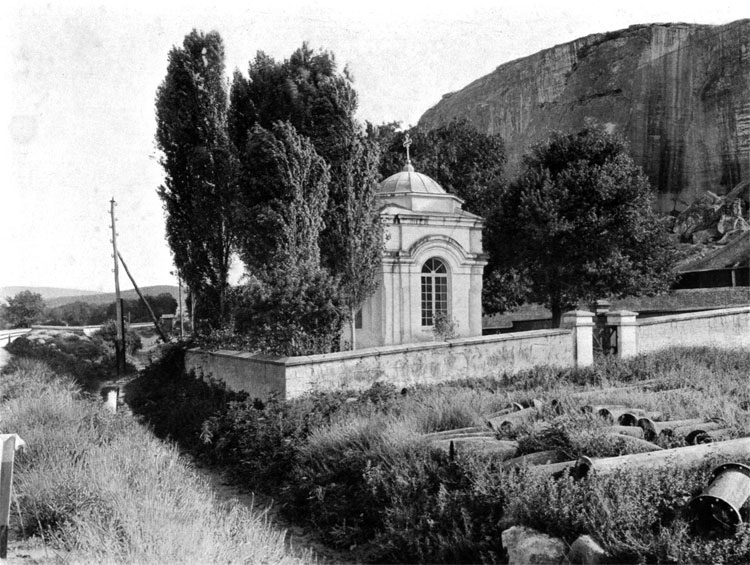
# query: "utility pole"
120,345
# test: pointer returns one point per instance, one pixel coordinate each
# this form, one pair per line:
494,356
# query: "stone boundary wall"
434,362
727,328
400,365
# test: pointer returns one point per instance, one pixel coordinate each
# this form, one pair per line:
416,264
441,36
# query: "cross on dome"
407,143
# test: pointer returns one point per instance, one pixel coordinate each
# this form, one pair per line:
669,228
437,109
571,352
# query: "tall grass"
355,466
99,488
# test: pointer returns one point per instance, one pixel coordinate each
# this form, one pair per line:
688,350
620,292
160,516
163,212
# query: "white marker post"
113,394
9,444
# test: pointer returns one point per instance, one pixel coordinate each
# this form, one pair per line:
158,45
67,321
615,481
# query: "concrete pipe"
633,431
652,429
555,470
447,434
512,407
538,458
509,422
679,457
596,408
487,446
718,506
621,416
700,436
633,443
695,429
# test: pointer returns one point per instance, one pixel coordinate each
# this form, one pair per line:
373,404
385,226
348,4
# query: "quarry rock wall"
679,93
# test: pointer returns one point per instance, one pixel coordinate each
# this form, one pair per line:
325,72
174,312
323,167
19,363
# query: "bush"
87,361
354,466
176,404
108,334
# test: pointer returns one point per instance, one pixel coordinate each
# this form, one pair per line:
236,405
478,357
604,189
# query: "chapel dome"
408,181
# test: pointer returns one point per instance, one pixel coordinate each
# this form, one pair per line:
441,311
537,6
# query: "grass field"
358,468
96,487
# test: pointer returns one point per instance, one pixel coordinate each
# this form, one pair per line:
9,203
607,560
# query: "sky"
78,82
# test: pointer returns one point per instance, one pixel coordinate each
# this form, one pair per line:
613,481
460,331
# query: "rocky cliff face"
679,93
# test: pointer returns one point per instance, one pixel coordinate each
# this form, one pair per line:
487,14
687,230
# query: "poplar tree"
283,190
319,103
200,169
357,231
292,306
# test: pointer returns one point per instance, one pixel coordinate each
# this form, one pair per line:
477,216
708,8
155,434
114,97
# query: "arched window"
434,290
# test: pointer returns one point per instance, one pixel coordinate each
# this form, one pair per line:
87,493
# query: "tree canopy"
283,192
462,160
200,168
290,306
23,309
577,225
356,233
308,94
306,90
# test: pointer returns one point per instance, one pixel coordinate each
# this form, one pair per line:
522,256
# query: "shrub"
83,359
108,334
174,403
353,464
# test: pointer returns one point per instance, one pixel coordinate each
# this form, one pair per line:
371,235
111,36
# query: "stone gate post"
626,326
582,323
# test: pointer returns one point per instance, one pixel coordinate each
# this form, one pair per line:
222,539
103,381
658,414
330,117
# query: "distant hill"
109,297
47,292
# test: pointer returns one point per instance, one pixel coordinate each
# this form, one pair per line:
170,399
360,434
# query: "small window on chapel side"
358,320
434,290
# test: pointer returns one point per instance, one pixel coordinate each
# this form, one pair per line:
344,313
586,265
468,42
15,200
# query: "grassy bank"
99,488
355,465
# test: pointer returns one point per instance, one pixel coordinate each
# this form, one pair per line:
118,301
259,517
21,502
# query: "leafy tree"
108,334
308,93
80,313
292,311
23,309
134,310
291,299
577,225
462,160
306,90
200,168
284,188
357,232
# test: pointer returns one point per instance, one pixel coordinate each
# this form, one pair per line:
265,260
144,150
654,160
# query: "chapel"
432,264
